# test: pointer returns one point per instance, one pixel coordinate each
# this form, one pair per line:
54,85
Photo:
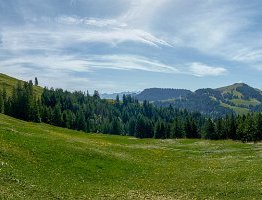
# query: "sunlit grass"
39,161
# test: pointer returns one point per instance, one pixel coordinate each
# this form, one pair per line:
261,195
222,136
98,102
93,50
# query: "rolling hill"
238,98
39,161
158,94
9,83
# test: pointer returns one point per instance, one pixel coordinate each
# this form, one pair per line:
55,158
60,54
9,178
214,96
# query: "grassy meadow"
39,161
9,83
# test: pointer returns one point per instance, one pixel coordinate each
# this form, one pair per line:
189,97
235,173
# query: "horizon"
131,92
114,46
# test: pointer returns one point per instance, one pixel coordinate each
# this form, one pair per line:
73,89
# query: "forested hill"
238,98
81,111
158,94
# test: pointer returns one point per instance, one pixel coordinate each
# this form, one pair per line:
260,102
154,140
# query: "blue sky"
129,45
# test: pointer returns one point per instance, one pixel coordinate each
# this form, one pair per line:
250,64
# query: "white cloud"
54,64
88,63
199,69
96,22
61,38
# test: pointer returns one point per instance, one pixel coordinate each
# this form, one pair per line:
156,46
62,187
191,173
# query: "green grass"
251,102
232,89
39,161
237,110
9,83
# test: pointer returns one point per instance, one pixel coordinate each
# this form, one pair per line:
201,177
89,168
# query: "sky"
129,45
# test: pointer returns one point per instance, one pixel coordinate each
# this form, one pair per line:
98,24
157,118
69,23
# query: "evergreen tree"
177,129
57,116
219,128
96,95
140,127
132,126
117,101
80,121
210,132
36,81
116,127
1,102
232,128
249,129
258,128
162,130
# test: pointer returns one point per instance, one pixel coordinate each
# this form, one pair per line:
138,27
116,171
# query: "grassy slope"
9,83
251,102
237,110
39,161
232,89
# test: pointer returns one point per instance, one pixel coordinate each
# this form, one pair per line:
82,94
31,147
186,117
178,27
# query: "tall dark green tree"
36,81
209,129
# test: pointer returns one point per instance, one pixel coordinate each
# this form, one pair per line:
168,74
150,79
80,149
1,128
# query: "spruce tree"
36,81
210,132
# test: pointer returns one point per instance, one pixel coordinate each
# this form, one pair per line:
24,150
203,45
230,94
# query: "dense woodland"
159,94
88,113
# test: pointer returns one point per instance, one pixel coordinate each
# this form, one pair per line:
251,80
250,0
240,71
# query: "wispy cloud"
174,37
88,63
96,22
201,70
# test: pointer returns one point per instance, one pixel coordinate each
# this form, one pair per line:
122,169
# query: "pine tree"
132,126
160,130
1,102
210,132
57,115
232,128
116,127
117,101
80,120
177,129
140,127
96,95
258,127
219,128
249,129
36,81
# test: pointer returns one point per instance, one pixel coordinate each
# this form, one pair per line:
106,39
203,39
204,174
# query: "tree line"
89,113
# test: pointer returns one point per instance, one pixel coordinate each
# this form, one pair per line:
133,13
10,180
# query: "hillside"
238,98
39,161
158,94
114,95
9,83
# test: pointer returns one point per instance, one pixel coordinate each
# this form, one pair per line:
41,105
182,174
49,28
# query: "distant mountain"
160,94
113,96
238,98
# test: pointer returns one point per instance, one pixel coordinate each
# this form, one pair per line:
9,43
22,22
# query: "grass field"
38,161
9,83
238,110
251,102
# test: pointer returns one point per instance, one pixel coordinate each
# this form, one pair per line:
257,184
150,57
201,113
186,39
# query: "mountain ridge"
238,98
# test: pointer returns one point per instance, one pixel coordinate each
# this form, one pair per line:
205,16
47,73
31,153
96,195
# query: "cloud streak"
201,70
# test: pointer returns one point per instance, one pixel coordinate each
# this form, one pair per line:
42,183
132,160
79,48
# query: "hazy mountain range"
238,98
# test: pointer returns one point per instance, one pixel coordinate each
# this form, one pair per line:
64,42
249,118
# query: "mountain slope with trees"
89,113
158,94
238,98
